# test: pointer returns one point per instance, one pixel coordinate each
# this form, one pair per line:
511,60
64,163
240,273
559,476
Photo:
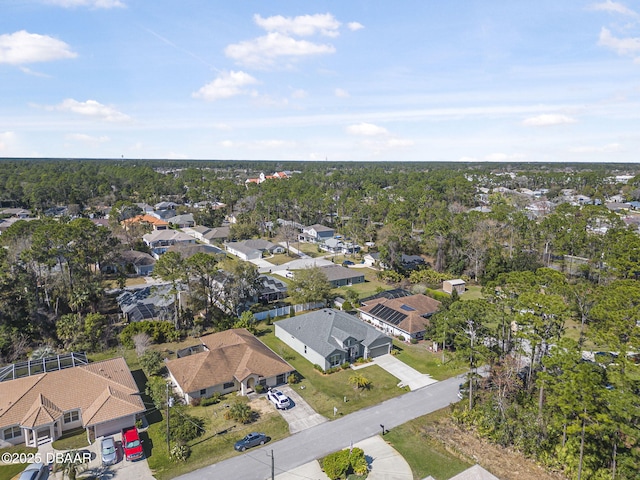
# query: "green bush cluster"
184,427
159,331
212,400
180,453
341,464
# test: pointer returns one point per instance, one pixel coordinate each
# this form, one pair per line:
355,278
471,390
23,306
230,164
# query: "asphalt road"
328,437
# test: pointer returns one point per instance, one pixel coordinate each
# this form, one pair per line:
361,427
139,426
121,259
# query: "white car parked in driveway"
279,399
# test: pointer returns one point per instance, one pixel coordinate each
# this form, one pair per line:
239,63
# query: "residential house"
271,289
145,207
316,233
405,316
5,223
252,249
458,285
149,303
216,235
160,240
229,361
101,397
16,213
165,206
182,221
131,261
330,337
336,245
146,219
408,262
340,276
187,250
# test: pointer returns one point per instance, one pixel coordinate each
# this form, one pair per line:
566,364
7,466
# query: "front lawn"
10,469
216,444
371,285
324,392
281,258
422,359
425,455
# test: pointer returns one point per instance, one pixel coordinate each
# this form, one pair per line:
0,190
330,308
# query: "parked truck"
131,444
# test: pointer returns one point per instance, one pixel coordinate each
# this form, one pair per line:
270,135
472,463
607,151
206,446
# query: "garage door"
377,351
114,426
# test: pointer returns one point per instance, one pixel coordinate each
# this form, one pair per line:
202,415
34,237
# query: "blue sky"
412,80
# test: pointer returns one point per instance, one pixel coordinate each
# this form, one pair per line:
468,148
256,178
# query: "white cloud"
91,140
366,130
354,26
6,139
91,108
611,147
87,3
548,119
300,93
263,51
222,126
341,93
629,46
24,47
302,26
228,84
227,143
614,7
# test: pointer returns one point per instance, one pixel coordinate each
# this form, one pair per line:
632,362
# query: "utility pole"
273,468
168,446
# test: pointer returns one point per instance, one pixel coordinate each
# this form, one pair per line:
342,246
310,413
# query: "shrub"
345,365
344,462
212,400
258,388
180,453
294,377
239,412
318,367
195,402
359,381
184,427
413,340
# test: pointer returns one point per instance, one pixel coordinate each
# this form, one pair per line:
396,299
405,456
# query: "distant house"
229,361
340,276
335,245
408,262
165,206
403,316
148,303
101,397
216,235
182,221
271,289
263,178
16,213
458,285
330,337
188,250
131,261
252,249
159,241
146,219
316,233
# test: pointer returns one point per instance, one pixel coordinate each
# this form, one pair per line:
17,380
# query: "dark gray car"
251,440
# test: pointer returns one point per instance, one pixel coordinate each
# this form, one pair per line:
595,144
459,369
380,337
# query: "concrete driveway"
300,416
406,374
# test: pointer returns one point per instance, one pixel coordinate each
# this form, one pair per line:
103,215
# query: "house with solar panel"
149,303
406,316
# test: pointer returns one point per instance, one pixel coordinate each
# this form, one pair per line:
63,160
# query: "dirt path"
504,463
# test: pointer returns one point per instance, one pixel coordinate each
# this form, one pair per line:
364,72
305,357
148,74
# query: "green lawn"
473,292
425,361
215,445
281,258
9,470
425,455
371,285
323,392
310,249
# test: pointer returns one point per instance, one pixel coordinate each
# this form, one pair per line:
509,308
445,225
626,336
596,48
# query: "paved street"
315,442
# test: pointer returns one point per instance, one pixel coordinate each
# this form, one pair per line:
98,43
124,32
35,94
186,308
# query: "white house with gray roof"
330,337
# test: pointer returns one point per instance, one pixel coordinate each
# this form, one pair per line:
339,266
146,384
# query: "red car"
131,444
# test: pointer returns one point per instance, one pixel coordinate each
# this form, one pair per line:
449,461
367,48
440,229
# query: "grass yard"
371,285
425,361
281,258
72,440
8,470
426,456
472,292
216,444
310,249
323,392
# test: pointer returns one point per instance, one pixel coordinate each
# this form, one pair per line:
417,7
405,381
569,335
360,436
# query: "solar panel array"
387,314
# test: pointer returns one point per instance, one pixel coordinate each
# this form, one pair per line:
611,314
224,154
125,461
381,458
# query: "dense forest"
559,281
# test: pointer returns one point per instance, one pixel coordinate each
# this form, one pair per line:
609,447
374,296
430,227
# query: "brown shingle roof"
38,398
414,321
232,354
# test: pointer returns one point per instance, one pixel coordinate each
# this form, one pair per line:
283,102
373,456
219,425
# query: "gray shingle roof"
322,329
